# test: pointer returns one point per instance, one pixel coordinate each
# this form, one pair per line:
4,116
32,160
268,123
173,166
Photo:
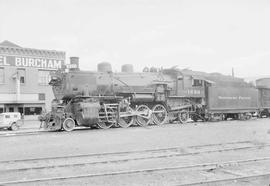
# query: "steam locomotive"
105,99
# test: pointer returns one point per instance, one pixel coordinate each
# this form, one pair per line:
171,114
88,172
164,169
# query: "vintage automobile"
10,120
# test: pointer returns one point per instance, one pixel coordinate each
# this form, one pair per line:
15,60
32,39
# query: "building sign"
36,62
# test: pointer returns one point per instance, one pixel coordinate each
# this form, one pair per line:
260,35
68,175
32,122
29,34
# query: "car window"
7,116
15,116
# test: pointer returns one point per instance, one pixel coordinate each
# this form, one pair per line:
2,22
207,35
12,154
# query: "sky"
203,35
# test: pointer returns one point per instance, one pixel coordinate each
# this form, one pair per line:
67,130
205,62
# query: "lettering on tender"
234,97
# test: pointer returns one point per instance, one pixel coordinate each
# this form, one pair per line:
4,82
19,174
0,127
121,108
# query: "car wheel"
14,126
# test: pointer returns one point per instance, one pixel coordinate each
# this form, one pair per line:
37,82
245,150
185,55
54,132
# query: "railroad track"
220,181
34,131
141,155
39,132
78,129
205,166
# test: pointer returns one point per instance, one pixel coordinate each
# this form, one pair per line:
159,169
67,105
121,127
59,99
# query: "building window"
32,110
1,110
41,96
2,75
22,75
44,77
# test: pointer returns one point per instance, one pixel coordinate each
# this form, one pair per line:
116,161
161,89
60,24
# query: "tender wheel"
126,121
14,126
159,114
183,116
69,124
106,122
144,115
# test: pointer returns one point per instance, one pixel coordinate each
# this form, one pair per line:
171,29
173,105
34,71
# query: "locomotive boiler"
104,99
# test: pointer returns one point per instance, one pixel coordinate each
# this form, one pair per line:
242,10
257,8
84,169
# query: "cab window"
7,116
197,83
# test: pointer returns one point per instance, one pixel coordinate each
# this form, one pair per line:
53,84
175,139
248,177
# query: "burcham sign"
19,61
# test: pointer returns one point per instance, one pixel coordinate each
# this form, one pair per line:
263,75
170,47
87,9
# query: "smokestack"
232,72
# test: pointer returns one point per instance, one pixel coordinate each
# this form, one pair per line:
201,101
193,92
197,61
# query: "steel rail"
15,134
225,179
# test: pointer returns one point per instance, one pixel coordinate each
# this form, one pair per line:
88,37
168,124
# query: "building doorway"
20,110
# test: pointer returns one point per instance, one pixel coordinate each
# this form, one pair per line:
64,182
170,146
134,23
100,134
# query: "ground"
94,141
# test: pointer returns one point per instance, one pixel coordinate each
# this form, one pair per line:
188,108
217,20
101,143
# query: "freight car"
105,99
